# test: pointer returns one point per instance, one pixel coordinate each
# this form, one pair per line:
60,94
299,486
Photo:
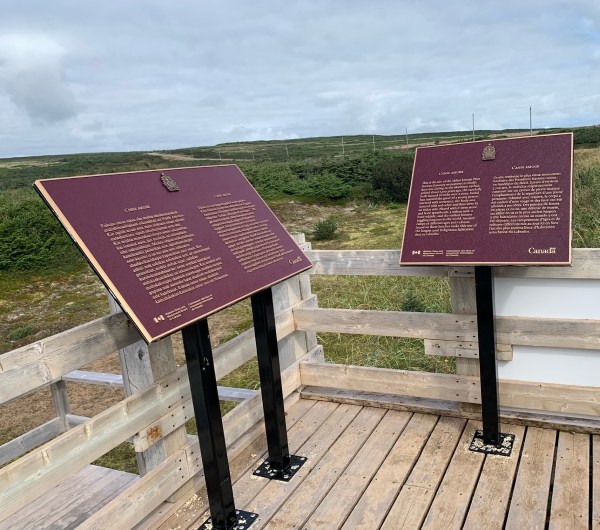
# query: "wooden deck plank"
255,441
595,483
411,505
570,495
275,493
339,502
375,502
453,497
83,501
249,485
46,504
495,482
315,487
529,501
77,516
72,501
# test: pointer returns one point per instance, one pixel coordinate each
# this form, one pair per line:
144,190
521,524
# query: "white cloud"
32,76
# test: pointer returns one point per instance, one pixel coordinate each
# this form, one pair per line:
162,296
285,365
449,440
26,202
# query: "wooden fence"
157,404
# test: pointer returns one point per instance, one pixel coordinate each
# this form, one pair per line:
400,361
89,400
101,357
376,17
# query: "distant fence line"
294,149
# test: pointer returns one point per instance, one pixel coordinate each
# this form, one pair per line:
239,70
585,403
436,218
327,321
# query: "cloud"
32,75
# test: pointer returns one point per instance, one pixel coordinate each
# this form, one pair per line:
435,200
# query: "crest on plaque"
169,183
488,153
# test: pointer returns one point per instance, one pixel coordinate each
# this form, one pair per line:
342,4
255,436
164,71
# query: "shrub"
30,237
391,178
325,229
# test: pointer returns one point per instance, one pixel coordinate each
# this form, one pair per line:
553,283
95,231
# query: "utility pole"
286,151
406,132
530,127
343,149
373,143
252,154
473,117
219,154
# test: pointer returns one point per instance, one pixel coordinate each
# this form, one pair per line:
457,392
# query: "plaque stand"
491,440
205,398
280,465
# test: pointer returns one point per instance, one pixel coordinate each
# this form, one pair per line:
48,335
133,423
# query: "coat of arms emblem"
168,182
488,153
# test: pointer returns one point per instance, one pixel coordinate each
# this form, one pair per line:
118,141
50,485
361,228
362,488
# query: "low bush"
30,237
325,229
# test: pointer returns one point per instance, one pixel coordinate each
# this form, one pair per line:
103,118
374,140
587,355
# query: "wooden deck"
71,503
371,468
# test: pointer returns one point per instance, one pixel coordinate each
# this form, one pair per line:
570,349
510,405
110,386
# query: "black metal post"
280,465
484,293
205,398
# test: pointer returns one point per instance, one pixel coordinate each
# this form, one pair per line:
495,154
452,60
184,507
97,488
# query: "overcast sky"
155,74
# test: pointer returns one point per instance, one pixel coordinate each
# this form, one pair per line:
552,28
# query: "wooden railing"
157,404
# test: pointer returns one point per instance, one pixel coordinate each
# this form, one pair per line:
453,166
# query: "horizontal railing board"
465,350
388,323
38,364
366,262
526,331
226,393
94,378
30,440
547,397
387,263
34,366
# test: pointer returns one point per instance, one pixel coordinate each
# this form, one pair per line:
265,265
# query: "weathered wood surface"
366,262
453,496
464,350
30,440
387,263
411,471
495,482
532,487
570,495
527,331
542,419
548,397
73,501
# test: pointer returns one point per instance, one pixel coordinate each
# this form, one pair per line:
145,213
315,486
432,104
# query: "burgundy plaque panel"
177,245
495,202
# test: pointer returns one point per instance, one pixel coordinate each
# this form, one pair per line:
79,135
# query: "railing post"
285,295
142,365
61,403
463,301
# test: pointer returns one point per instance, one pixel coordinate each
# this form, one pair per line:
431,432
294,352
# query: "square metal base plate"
504,448
265,470
245,519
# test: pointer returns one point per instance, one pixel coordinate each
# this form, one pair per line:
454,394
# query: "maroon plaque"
177,245
495,202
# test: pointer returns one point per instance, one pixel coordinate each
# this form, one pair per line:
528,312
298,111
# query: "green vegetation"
30,236
325,229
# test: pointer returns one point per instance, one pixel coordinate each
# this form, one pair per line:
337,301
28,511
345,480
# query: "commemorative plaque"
175,246
494,202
